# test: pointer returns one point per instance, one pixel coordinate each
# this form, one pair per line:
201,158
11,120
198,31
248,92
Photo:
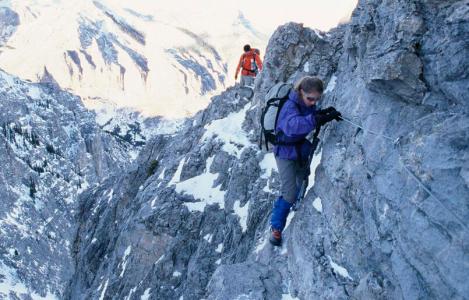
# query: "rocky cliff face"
51,149
385,217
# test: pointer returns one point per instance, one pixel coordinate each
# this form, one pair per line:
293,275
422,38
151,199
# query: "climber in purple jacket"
297,118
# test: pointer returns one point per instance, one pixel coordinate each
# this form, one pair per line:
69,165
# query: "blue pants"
280,214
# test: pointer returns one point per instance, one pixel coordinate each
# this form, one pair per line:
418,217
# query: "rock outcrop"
385,216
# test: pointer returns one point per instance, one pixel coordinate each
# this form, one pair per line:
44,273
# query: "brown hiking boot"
276,237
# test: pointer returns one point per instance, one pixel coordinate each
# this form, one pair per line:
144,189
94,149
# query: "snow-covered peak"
152,58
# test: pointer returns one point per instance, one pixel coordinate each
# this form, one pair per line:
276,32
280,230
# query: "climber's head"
247,48
310,90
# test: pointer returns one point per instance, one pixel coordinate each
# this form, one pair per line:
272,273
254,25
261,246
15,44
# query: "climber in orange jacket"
251,64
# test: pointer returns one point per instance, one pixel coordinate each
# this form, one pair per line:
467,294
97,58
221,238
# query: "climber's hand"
327,110
336,115
323,118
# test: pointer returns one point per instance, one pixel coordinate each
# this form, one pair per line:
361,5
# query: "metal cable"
396,142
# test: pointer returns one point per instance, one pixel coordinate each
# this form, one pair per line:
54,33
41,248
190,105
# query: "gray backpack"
274,101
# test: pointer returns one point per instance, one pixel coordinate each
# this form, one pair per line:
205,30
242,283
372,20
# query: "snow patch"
289,218
219,248
124,260
146,295
331,84
284,250
176,274
34,92
201,188
261,243
103,292
161,176
306,67
131,292
177,175
268,165
339,269
11,284
152,204
289,297
230,131
317,204
110,195
242,213
318,33
314,164
208,237
385,211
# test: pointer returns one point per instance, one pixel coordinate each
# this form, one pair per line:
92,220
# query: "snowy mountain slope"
51,149
142,56
9,21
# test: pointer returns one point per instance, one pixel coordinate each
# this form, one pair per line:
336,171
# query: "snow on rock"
219,248
177,175
177,274
11,285
242,213
201,188
146,295
312,176
124,260
331,85
230,132
103,291
289,219
289,297
268,165
317,204
51,149
208,237
339,269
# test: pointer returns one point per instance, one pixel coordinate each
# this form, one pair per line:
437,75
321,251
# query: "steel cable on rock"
396,143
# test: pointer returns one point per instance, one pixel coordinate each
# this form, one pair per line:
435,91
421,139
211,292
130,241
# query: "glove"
336,115
327,110
323,118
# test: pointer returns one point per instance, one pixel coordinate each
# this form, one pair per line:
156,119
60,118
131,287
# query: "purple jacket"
294,123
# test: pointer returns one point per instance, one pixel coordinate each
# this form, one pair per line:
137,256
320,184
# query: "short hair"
309,84
247,48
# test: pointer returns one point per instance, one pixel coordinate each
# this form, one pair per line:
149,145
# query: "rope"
396,142
370,131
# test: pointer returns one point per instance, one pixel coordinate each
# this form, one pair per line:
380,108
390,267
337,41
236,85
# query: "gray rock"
393,191
189,218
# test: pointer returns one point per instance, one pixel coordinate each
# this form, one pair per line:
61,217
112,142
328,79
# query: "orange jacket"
245,63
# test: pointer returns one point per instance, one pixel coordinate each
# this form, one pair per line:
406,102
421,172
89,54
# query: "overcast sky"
265,15
320,14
